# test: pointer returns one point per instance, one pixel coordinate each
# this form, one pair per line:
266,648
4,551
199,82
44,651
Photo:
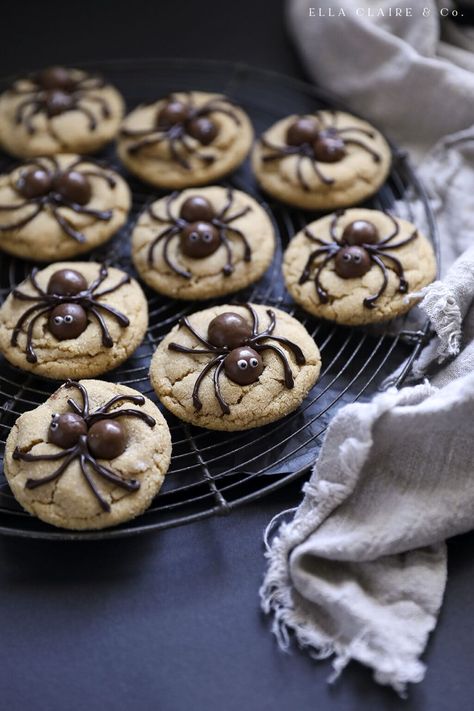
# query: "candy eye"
356,258
194,236
253,362
68,318
207,237
58,320
242,364
346,257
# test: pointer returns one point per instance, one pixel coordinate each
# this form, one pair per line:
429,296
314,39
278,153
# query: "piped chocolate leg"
185,322
254,315
402,243
369,301
309,262
289,380
398,268
123,280
166,256
124,413
89,115
212,363
107,339
23,222
84,411
23,318
30,351
104,215
83,461
227,205
66,227
240,234
217,389
322,293
228,267
361,144
118,315
34,483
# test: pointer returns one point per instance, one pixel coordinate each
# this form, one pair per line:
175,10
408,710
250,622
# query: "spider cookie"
73,319
357,266
203,243
58,207
59,110
92,456
321,161
188,138
235,367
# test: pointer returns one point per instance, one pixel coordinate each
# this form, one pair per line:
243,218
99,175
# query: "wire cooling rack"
215,472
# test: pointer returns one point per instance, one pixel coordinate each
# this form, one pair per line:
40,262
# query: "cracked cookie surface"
67,132
174,375
345,304
353,178
43,236
68,501
207,278
86,355
156,164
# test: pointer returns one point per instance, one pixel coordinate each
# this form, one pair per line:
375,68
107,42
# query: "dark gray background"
171,621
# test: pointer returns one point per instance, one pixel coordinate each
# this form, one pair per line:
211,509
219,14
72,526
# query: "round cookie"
235,367
59,110
321,161
76,463
185,139
60,206
337,266
203,243
73,319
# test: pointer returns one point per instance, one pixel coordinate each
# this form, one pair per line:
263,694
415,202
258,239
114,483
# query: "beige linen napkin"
360,570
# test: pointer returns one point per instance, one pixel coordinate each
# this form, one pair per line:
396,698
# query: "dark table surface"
171,621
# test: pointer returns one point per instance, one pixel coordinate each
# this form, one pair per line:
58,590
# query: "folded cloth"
360,571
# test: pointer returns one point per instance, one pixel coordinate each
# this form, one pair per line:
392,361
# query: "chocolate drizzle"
54,91
66,304
44,186
236,346
86,436
314,139
201,231
359,247
175,121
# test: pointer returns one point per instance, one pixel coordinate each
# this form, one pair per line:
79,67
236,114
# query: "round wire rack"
215,472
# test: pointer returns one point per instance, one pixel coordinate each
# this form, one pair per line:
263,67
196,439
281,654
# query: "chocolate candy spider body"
88,436
56,90
236,346
354,253
316,140
66,303
176,121
201,231
44,186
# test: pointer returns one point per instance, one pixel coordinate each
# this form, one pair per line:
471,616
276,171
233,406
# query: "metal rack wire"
214,473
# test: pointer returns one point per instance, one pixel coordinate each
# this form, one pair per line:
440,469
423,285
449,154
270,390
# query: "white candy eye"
68,318
58,320
356,258
253,362
207,237
346,257
194,236
242,364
